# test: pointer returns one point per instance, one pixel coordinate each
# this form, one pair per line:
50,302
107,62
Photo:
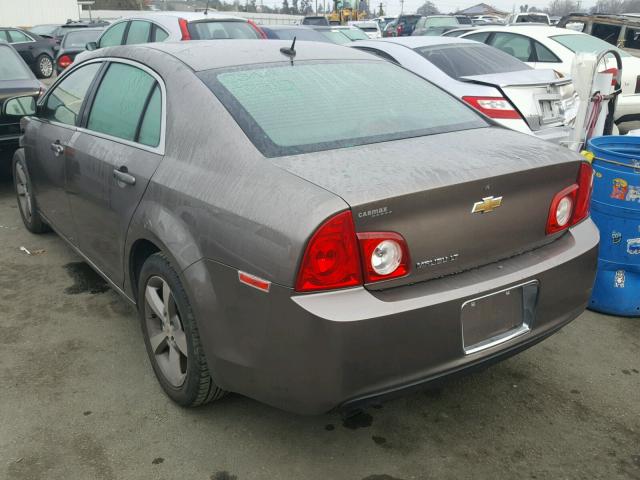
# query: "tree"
560,8
427,8
609,6
305,7
294,8
285,7
118,5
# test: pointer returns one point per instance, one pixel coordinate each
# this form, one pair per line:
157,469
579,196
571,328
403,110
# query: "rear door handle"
57,148
122,175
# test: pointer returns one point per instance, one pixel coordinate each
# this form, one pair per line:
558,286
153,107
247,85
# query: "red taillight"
331,259
257,29
384,255
399,30
571,205
184,29
64,61
493,107
614,72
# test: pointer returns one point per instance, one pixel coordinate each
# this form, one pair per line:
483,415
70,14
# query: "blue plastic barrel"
615,208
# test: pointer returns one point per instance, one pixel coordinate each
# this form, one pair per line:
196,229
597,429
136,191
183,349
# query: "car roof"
189,16
287,27
422,41
202,55
542,31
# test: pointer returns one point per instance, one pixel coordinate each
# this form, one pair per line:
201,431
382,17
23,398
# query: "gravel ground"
79,400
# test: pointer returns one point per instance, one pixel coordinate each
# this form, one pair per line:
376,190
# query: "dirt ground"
79,401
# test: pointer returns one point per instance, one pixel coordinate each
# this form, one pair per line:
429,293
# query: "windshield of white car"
316,106
586,44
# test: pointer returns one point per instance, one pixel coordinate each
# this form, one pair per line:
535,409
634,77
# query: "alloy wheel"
24,192
165,331
46,67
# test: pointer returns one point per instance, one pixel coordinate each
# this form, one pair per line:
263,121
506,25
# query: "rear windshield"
368,29
585,44
336,36
11,66
315,21
313,106
532,18
468,59
464,20
354,34
80,38
441,21
222,30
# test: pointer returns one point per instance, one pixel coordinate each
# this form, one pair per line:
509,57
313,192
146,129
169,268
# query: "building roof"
481,9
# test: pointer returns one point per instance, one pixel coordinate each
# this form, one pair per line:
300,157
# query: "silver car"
283,240
496,84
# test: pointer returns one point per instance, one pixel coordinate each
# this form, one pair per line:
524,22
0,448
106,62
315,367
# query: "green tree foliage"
427,8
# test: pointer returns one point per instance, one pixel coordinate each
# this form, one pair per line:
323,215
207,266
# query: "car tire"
169,327
24,193
44,66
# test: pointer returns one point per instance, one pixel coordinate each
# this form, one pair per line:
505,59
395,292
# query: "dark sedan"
284,240
38,52
15,80
73,43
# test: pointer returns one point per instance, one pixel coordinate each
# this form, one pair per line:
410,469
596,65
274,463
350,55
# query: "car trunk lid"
543,99
425,189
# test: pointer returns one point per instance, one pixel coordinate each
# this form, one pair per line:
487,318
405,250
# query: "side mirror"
91,46
19,107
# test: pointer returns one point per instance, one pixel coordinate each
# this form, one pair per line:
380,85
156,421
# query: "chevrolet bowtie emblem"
488,204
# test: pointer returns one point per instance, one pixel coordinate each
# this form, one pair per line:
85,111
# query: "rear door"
48,137
116,152
23,44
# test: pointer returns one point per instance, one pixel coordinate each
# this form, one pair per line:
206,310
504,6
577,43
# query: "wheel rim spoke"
158,343
21,175
174,370
166,336
181,341
155,302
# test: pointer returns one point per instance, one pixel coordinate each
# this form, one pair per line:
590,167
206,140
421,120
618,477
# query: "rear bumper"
313,353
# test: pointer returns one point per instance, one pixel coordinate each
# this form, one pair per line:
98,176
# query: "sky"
392,7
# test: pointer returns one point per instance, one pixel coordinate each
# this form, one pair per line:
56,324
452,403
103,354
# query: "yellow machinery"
345,11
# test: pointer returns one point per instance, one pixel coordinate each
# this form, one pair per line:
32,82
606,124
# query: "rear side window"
222,30
120,100
159,35
464,20
139,32
113,35
18,37
608,33
287,110
481,37
150,125
11,65
65,101
467,59
543,54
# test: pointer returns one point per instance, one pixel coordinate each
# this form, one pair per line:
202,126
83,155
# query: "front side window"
461,60
515,45
632,38
120,101
113,35
11,65
138,32
18,37
286,110
222,30
65,101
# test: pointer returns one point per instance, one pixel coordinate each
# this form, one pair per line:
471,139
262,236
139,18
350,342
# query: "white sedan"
551,47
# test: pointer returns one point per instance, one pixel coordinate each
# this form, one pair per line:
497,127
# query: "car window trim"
45,98
31,39
160,149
